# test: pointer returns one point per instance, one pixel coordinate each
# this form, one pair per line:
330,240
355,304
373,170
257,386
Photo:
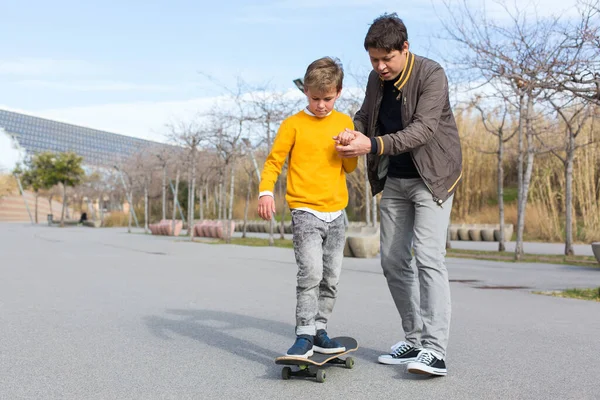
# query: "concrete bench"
480,232
362,241
165,227
213,228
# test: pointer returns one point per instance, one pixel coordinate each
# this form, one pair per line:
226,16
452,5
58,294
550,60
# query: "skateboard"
309,367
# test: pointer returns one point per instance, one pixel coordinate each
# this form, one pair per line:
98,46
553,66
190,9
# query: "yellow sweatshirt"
316,173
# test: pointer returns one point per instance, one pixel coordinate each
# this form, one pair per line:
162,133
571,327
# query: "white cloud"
10,153
48,67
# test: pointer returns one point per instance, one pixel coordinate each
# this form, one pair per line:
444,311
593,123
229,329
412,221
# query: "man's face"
388,65
321,103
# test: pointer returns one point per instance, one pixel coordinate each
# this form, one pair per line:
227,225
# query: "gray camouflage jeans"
319,251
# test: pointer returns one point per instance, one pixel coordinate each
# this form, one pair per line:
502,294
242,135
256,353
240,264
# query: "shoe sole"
324,350
305,355
394,361
422,369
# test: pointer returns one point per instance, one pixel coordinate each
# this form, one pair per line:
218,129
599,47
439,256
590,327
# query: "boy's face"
388,65
321,103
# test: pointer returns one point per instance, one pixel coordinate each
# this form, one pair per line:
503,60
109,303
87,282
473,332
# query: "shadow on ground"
218,329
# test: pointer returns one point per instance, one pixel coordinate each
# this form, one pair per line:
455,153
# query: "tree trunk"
164,193
374,210
229,234
175,201
247,205
207,192
64,205
145,207
367,194
216,202
569,195
231,192
192,192
526,180
201,202
520,217
501,238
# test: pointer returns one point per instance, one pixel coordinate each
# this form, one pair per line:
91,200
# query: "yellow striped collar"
406,72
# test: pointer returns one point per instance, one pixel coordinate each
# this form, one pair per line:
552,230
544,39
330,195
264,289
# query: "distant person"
317,195
83,218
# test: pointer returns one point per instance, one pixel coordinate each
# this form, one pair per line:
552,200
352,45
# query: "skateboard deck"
307,365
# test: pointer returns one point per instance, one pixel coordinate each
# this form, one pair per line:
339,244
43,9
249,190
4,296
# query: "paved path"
530,247
102,314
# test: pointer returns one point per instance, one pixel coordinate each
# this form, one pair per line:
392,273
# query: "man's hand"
266,207
357,147
344,138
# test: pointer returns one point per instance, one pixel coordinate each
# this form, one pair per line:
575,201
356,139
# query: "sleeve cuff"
265,193
374,146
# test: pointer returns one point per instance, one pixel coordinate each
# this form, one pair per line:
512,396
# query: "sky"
132,66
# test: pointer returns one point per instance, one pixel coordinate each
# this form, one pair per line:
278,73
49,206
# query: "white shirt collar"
306,110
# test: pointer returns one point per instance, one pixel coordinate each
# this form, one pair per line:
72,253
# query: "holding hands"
351,143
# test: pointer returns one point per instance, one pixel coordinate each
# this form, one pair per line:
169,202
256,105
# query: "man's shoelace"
400,348
425,357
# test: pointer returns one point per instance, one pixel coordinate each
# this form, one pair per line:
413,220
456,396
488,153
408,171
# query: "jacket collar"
406,72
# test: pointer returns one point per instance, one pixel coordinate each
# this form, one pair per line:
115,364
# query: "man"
407,129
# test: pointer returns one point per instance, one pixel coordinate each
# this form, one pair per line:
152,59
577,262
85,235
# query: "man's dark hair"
387,32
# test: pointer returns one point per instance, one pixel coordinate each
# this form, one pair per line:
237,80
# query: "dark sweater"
390,121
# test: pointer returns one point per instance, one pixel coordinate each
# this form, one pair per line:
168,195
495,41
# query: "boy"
317,194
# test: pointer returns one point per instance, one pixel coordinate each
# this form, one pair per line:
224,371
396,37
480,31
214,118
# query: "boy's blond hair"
324,74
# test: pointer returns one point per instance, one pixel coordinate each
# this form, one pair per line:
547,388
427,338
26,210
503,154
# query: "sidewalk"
528,247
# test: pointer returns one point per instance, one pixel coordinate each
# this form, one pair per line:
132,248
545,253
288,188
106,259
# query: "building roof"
97,147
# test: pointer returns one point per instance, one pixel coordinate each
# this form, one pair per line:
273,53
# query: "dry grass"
545,214
115,219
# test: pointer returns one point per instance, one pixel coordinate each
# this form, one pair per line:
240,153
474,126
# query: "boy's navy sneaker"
402,353
303,347
427,364
325,345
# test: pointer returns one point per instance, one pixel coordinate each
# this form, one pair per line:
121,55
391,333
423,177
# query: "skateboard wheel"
320,376
349,362
286,372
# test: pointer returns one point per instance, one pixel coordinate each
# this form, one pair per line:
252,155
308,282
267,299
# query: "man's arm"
430,105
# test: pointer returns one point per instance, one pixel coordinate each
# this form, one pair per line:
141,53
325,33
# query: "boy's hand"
266,207
344,138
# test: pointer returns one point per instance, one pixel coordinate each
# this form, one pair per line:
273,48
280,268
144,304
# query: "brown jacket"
429,130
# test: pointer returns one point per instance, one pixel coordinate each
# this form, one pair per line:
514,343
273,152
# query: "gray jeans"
319,250
411,220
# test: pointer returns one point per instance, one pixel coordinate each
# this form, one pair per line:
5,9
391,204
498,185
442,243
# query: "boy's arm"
349,164
282,145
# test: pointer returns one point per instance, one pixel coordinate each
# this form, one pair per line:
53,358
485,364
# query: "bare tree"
497,128
190,135
515,57
574,114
